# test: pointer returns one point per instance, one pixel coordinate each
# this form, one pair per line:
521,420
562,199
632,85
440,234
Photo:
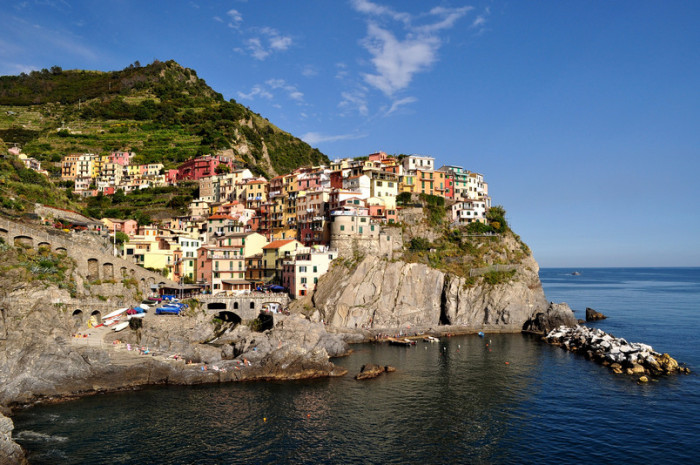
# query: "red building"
202,167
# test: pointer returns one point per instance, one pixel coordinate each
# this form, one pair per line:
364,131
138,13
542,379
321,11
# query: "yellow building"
274,255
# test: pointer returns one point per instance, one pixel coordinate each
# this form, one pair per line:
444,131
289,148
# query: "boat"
110,322
576,273
431,339
135,315
401,342
120,326
114,313
481,334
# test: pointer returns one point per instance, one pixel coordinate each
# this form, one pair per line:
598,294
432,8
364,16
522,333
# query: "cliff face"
385,294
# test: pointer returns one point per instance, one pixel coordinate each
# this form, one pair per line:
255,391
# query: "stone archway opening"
93,269
107,271
98,316
252,305
230,317
216,306
235,305
61,250
77,317
44,247
24,241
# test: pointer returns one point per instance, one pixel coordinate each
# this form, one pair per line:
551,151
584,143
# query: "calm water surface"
498,399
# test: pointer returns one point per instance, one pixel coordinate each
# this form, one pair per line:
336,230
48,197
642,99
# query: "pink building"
121,158
202,167
171,176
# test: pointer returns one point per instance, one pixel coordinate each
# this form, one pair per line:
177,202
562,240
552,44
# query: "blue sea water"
497,399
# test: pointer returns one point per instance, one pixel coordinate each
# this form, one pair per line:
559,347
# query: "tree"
222,169
121,237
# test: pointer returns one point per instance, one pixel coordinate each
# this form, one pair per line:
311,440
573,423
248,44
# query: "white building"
412,163
300,274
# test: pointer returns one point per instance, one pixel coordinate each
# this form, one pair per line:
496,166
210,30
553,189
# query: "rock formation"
554,316
390,294
10,452
371,371
592,315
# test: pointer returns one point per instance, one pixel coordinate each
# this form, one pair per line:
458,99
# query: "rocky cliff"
379,293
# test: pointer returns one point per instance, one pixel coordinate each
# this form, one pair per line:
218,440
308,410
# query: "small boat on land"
114,313
401,341
120,326
135,315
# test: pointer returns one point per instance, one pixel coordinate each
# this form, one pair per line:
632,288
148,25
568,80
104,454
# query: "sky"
583,116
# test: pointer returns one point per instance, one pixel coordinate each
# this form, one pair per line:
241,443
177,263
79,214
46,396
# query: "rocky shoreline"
631,358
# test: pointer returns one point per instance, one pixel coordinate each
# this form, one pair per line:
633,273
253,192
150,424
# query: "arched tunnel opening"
229,317
267,321
77,318
216,306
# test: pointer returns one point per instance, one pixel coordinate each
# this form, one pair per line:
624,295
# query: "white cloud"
398,103
235,19
342,72
354,101
271,41
217,19
396,60
313,138
256,91
367,7
309,71
291,90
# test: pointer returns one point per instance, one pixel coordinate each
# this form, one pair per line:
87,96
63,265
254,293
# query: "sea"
501,398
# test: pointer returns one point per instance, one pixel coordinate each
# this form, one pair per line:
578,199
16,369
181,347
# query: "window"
371,228
342,228
360,229
315,269
315,280
303,280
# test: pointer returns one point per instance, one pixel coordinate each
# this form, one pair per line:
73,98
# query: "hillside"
162,111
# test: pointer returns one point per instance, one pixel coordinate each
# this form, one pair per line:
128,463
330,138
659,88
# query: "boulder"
555,316
370,371
10,451
592,315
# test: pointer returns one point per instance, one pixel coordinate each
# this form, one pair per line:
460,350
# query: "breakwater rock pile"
632,358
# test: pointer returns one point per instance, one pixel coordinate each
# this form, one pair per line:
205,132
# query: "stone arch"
132,272
62,250
230,317
235,305
143,282
267,321
216,306
107,271
98,316
4,234
151,281
93,269
24,241
252,305
43,244
123,272
77,317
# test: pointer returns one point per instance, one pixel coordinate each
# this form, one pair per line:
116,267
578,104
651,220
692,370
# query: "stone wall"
246,306
92,256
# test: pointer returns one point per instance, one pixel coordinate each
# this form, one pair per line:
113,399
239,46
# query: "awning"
236,281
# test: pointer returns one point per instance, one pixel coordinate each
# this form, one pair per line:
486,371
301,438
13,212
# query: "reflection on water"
498,399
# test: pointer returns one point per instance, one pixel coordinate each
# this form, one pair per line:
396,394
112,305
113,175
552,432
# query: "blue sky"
583,116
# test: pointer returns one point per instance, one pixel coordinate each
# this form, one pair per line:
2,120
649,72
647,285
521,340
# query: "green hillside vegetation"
162,111
458,250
